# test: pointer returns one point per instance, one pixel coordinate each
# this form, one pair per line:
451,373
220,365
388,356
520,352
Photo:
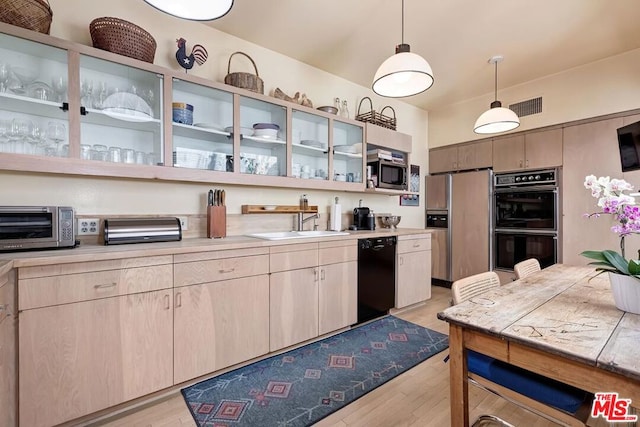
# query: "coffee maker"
363,219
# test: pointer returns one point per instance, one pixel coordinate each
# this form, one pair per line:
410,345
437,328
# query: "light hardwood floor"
418,397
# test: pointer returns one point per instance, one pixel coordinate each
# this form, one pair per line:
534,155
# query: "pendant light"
403,74
496,119
195,10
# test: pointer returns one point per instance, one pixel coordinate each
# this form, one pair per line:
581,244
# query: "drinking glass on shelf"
5,74
115,154
128,155
86,93
57,133
59,85
5,129
20,131
85,151
99,152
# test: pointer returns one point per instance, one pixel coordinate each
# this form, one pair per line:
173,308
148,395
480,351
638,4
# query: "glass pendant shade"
496,119
195,10
403,74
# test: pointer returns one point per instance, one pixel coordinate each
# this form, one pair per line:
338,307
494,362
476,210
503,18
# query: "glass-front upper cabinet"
202,127
263,138
310,142
121,113
347,152
33,86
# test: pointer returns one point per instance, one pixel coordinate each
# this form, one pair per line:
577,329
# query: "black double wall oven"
526,219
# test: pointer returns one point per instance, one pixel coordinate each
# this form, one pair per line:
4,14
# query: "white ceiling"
351,38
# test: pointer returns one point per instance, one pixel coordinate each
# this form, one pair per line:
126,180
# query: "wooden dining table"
560,322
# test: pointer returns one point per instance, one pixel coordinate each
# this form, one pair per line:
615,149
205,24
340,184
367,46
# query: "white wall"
97,196
608,86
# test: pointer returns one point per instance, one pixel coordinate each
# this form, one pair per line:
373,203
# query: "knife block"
216,222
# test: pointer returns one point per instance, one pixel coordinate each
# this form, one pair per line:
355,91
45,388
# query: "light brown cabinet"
79,358
8,331
413,271
92,80
338,287
383,137
293,297
219,324
313,290
533,150
221,310
439,254
474,155
92,335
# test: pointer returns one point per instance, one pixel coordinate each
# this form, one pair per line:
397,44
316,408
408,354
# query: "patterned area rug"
301,386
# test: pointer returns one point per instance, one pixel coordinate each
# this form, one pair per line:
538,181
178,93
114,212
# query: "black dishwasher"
376,277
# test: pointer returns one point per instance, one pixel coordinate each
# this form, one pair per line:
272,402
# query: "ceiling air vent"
528,107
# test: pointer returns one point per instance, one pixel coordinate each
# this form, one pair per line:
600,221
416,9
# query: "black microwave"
389,174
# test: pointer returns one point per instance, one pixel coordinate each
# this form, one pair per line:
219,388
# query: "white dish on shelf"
206,125
269,207
266,139
351,149
313,143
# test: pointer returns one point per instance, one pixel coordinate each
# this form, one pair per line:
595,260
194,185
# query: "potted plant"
624,274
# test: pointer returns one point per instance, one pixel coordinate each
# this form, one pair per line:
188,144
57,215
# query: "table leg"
458,381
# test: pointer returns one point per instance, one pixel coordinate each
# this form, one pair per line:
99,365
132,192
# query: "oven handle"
529,231
552,188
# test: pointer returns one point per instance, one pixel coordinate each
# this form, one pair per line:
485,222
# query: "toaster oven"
36,227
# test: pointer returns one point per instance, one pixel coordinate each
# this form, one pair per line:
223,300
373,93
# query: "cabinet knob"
400,260
167,302
178,298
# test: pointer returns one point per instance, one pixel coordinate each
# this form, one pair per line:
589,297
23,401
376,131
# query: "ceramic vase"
626,292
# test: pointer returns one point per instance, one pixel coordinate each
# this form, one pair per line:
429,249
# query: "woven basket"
377,118
33,15
122,37
249,81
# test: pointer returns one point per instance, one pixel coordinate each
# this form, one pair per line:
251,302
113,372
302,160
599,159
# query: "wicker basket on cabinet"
33,15
122,37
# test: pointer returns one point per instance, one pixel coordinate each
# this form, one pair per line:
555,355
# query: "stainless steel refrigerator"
459,207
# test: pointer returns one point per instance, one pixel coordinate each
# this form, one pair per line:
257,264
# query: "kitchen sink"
283,235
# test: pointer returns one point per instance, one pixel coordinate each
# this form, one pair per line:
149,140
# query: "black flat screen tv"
629,145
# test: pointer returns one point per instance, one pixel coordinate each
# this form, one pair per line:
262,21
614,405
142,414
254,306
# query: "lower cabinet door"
293,307
413,278
338,296
219,324
79,358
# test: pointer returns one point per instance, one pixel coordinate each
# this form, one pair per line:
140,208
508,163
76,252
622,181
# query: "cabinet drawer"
284,261
423,244
68,288
92,266
191,273
338,254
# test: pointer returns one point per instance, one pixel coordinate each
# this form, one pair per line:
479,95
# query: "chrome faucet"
302,220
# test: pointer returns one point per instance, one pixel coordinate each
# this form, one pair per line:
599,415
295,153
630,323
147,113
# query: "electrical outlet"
88,226
184,222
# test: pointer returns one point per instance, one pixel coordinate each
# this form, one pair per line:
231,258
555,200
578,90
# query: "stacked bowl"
266,130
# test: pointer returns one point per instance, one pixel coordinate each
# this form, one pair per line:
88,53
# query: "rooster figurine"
198,54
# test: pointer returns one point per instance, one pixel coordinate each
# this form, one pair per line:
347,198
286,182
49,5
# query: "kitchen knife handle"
222,198
210,198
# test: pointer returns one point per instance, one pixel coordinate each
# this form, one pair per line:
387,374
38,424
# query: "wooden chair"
526,267
511,382
472,286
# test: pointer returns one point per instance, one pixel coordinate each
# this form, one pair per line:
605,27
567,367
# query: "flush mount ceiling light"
496,119
403,74
195,10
